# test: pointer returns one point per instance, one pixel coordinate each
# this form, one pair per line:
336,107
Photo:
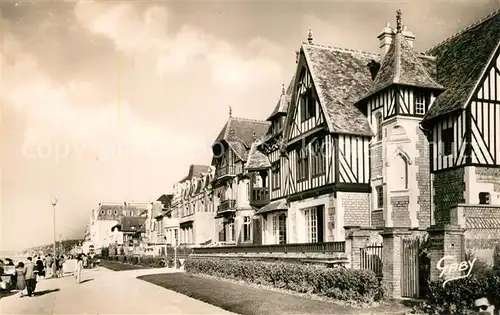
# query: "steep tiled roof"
340,77
166,200
402,66
242,137
282,106
256,159
133,224
461,60
195,171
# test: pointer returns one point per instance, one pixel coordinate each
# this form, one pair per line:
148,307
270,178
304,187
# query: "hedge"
338,283
154,262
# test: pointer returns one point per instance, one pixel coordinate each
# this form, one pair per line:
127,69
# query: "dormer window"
308,105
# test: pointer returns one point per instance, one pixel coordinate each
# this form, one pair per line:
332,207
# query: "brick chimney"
385,39
408,36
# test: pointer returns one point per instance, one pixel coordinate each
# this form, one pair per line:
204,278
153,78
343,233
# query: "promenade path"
105,292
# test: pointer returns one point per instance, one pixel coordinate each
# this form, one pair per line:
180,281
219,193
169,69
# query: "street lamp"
54,203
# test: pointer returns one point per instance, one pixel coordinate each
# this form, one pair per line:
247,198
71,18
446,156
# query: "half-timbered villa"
231,187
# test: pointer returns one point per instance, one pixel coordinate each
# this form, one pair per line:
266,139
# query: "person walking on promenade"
40,268
30,276
78,271
21,280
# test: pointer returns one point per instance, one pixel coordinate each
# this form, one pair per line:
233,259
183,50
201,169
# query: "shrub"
337,283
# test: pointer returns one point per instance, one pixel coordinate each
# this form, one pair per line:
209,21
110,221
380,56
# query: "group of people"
49,267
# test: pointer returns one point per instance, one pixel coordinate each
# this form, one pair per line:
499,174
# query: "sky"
112,101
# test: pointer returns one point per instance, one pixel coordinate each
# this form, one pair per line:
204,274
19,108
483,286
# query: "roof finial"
282,88
398,20
230,111
297,54
310,36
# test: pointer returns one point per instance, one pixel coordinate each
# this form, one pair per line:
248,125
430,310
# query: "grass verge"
118,266
247,300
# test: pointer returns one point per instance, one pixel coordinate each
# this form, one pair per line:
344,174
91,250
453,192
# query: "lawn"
118,266
248,300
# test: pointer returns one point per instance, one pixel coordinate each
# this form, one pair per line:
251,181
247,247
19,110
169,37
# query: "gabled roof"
340,77
402,66
461,61
256,159
166,200
133,224
238,133
195,171
285,97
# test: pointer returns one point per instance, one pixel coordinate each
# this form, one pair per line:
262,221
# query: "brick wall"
376,161
422,162
378,218
483,230
356,208
489,175
330,219
400,213
449,189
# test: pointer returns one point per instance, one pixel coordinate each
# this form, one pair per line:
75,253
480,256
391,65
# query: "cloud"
138,33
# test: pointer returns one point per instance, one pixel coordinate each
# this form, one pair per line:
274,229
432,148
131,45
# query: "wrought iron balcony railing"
323,248
227,205
228,170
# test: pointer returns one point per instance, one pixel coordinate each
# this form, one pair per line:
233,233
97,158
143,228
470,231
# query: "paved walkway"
105,292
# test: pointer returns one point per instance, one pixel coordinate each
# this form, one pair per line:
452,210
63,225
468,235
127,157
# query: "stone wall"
422,162
378,218
449,190
400,211
356,208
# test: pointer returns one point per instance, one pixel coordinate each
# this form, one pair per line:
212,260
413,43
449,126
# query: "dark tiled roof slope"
461,60
133,224
166,200
195,171
244,130
340,77
402,66
256,159
282,106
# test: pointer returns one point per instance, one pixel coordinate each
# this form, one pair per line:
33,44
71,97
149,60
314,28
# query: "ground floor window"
247,229
314,224
279,228
229,231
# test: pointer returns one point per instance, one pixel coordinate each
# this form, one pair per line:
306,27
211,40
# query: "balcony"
226,206
259,196
228,170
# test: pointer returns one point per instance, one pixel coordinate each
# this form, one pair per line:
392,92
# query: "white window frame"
311,224
247,226
419,103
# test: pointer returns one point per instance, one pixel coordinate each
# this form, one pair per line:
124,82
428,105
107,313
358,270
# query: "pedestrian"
85,261
21,280
78,271
48,266
40,267
30,276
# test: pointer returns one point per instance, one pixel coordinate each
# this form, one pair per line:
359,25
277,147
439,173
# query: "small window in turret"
420,103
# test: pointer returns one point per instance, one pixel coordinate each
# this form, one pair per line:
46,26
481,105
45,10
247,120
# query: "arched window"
378,118
400,171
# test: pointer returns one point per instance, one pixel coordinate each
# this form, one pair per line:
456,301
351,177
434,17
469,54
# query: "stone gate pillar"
391,258
356,239
445,241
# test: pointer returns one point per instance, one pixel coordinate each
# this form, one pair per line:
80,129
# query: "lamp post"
54,203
